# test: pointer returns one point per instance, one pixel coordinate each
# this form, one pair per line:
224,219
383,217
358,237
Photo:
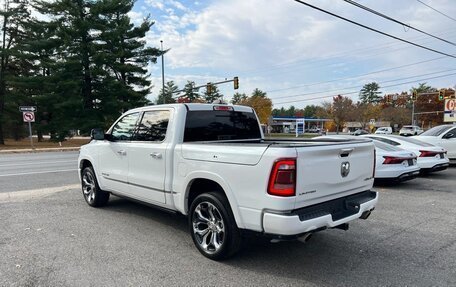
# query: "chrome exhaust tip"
365,214
306,237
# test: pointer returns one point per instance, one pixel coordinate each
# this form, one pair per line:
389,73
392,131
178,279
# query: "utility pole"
413,112
163,72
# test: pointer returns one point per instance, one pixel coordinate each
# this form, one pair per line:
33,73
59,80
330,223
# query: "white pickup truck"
212,163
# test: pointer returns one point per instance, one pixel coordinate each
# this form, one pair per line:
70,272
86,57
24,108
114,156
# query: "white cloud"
156,4
136,17
277,44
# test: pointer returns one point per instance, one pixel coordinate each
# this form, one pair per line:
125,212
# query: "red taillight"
395,160
427,153
282,181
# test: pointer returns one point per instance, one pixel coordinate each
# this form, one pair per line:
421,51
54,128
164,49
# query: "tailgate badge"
345,169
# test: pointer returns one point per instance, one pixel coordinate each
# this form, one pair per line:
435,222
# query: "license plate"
442,155
410,162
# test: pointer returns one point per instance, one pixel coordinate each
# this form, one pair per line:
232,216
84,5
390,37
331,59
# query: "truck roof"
195,107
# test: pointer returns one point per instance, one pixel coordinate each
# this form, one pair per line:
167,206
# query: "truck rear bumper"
324,215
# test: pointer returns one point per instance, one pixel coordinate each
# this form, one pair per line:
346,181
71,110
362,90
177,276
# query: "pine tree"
258,93
190,92
123,56
170,89
13,15
213,94
35,83
238,98
370,93
100,63
74,73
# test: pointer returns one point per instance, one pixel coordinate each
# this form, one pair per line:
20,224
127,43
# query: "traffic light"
414,95
236,83
209,88
441,94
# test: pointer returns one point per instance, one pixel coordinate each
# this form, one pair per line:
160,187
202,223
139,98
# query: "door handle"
156,155
122,152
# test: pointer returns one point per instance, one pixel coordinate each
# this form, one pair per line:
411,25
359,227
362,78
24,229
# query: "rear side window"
124,128
153,126
220,125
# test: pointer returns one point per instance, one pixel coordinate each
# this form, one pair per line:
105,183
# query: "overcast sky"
294,53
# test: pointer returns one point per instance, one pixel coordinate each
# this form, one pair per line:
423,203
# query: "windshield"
436,131
407,127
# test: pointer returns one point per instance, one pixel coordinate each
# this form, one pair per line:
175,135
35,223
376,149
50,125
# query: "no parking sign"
29,117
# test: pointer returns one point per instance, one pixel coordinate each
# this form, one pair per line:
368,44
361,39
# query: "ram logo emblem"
345,169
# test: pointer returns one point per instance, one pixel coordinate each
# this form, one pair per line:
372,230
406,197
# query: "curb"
29,150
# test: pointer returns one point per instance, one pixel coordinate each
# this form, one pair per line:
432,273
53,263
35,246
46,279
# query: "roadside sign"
449,113
28,109
29,117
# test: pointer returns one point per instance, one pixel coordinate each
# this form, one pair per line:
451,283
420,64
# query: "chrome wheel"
88,187
208,227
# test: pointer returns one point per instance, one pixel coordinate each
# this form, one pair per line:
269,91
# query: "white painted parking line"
38,172
34,193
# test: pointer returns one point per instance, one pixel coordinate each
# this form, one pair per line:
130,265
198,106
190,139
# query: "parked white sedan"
391,163
384,131
410,131
444,136
430,157
394,164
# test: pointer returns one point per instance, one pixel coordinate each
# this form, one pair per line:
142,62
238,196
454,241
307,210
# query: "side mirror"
97,134
448,136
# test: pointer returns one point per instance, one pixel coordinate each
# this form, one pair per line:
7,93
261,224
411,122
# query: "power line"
374,30
358,76
358,86
357,92
449,17
358,51
396,21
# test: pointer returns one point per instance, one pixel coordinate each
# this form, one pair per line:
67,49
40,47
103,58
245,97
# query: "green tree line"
81,62
395,109
189,94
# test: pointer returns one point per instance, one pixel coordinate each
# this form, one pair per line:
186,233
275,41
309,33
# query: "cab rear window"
220,125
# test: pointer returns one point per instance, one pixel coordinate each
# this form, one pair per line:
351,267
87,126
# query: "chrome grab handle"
156,155
122,152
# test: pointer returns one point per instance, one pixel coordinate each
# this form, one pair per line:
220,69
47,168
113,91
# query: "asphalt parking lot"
52,238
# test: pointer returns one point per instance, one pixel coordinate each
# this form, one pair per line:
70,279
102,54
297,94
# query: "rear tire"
213,227
91,191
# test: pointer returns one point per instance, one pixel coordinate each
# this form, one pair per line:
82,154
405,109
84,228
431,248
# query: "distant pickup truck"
212,163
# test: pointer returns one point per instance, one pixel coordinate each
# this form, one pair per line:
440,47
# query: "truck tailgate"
327,172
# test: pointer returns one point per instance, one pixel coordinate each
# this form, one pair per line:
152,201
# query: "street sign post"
28,115
449,112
